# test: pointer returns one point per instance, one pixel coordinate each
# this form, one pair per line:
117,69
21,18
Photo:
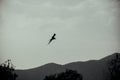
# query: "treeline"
114,67
67,75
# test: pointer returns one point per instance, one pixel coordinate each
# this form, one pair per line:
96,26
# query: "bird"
52,38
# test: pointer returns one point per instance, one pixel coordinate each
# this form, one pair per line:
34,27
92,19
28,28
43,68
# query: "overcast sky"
86,29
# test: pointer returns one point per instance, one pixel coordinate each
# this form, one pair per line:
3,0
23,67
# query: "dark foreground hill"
90,70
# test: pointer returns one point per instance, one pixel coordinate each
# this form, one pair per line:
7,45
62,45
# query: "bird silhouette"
52,38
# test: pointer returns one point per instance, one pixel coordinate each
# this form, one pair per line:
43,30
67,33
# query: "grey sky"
86,29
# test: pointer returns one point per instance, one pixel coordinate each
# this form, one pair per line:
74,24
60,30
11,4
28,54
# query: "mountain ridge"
91,69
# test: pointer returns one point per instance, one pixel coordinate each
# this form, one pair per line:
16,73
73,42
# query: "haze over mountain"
90,70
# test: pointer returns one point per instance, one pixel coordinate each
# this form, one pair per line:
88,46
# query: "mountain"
90,70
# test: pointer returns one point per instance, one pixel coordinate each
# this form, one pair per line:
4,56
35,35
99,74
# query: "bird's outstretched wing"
54,35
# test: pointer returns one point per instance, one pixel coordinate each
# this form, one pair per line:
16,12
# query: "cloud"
46,8
51,8
54,2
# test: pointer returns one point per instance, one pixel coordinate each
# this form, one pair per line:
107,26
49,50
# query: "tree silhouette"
67,75
114,68
7,72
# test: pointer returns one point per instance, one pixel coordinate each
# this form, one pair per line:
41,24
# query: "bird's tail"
48,42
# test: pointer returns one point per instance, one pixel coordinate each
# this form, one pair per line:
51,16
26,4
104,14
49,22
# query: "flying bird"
52,38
